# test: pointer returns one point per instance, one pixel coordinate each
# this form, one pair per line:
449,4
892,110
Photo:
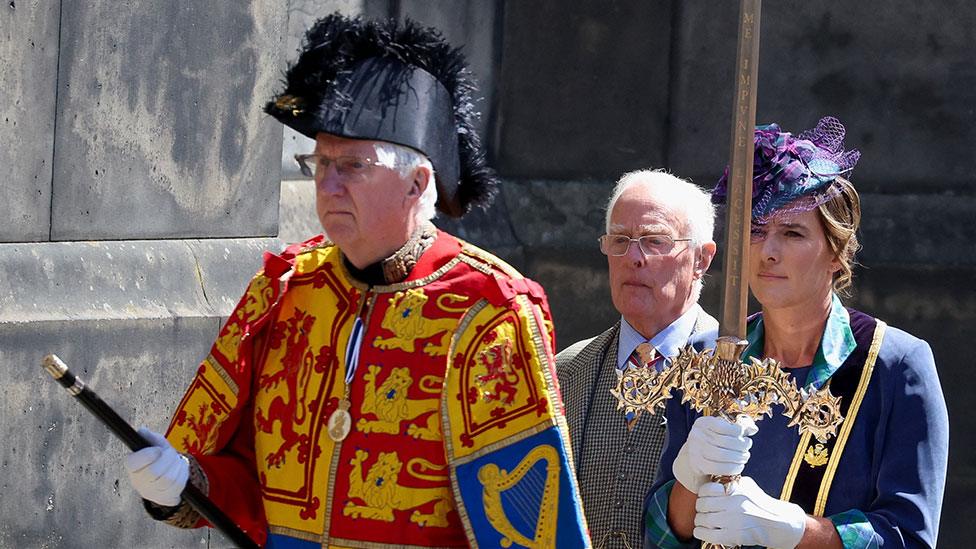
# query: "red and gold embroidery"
496,377
404,318
499,382
290,409
206,404
257,301
379,493
427,350
387,405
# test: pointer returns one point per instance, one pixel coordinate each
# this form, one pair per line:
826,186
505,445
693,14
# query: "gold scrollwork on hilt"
496,481
717,383
642,389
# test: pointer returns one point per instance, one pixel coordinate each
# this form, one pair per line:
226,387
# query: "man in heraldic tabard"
392,385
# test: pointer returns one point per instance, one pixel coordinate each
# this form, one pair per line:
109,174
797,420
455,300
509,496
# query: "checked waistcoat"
615,466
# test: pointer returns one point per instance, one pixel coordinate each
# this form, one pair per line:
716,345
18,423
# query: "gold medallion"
340,422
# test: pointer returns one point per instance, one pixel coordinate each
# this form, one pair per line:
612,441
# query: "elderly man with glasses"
384,386
658,247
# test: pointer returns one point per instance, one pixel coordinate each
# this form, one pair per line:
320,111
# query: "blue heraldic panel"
527,494
278,541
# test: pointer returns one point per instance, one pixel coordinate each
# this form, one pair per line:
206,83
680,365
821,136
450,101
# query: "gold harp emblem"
523,483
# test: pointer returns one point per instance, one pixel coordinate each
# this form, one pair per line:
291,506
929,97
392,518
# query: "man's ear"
419,179
705,257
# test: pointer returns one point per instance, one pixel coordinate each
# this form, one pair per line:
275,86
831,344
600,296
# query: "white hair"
405,160
681,194
696,204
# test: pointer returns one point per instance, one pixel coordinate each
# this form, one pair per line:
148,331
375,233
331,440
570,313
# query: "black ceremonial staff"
121,428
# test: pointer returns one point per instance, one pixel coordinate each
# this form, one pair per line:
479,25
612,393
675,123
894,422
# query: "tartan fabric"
615,466
836,344
855,530
657,532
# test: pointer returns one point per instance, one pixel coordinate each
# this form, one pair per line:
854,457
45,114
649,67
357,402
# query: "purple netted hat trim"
787,168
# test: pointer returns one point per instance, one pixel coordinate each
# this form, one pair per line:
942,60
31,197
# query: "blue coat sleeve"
913,452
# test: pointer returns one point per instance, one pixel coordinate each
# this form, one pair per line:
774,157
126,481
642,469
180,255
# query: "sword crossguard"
718,385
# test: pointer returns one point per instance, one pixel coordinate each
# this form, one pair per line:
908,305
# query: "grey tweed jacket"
615,466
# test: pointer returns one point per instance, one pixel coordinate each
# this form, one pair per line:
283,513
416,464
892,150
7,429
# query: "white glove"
747,516
158,472
715,446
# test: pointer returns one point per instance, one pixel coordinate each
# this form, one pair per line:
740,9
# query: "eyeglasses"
315,165
650,244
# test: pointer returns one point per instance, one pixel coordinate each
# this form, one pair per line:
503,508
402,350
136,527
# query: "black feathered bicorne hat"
399,83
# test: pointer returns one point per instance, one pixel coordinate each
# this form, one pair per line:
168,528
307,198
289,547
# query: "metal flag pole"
121,428
718,383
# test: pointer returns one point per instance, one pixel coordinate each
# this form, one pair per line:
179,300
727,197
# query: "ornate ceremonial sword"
120,428
718,383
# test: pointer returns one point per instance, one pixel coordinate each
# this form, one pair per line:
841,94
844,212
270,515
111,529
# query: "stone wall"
587,93
143,184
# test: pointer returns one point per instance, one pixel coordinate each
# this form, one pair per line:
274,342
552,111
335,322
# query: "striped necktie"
644,356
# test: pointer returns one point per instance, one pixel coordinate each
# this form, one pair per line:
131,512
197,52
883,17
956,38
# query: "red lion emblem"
498,364
296,366
202,426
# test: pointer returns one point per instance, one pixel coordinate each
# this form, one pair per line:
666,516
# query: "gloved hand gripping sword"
717,382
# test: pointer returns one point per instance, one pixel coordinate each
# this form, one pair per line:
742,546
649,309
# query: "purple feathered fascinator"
786,168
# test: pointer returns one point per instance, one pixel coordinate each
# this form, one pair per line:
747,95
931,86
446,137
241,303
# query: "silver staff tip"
54,366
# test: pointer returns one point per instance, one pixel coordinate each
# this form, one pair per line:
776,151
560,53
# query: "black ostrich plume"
337,45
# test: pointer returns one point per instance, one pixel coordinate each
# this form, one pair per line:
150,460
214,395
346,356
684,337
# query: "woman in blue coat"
880,480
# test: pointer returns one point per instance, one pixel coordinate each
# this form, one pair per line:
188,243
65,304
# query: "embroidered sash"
814,464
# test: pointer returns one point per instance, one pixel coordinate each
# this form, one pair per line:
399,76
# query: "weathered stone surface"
583,91
912,229
899,75
28,38
578,290
64,469
134,319
559,214
158,132
293,143
115,280
297,218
